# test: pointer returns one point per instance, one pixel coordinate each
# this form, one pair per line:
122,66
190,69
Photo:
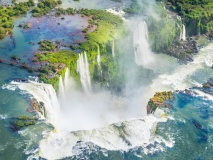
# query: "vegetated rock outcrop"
159,100
22,121
164,99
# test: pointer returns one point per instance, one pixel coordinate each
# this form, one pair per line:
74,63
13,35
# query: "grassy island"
23,121
46,45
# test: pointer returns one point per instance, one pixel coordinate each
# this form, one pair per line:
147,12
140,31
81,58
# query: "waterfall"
143,53
99,60
68,81
113,48
61,89
183,33
42,93
99,57
83,70
64,85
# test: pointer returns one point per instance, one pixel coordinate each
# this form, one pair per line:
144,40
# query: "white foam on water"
180,78
203,94
119,136
3,116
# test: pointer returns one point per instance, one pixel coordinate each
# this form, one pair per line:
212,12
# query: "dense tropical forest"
197,14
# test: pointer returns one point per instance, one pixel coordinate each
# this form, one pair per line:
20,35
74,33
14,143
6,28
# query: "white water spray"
143,53
113,48
83,70
99,57
68,81
120,136
61,89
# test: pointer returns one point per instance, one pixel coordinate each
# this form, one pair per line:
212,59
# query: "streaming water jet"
143,53
83,70
183,33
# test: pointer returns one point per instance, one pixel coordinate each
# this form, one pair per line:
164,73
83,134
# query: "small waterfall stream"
183,33
99,57
83,70
61,89
113,48
143,53
99,60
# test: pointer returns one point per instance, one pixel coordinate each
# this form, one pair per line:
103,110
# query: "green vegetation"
21,8
164,30
8,13
44,7
61,11
159,99
108,28
197,14
56,61
23,121
46,45
63,56
26,26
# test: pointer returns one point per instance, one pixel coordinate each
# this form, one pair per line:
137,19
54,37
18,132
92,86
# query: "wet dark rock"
184,51
19,79
196,124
